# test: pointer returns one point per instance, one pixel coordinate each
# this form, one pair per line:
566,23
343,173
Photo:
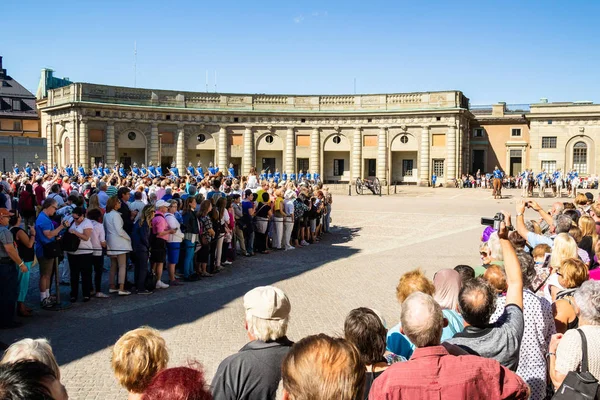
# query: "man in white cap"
255,371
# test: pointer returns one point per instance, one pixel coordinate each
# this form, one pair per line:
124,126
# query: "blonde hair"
564,247
580,199
413,281
322,367
588,228
137,356
32,349
574,272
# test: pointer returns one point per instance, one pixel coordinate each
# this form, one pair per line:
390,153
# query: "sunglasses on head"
483,254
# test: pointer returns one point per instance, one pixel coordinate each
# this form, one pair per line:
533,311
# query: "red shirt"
432,373
40,194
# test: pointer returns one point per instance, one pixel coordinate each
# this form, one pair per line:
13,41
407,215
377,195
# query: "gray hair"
562,223
32,349
102,185
587,298
527,268
422,320
265,329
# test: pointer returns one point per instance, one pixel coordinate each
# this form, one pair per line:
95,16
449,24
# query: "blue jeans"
187,253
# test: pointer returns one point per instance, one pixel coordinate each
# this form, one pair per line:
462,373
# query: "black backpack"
579,385
69,242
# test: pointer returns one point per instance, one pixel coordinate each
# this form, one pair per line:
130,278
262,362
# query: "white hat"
161,203
267,302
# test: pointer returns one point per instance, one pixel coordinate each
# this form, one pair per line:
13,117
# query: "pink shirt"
595,274
159,223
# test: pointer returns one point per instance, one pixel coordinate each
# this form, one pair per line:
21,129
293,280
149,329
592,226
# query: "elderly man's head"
477,302
267,313
587,298
422,320
562,223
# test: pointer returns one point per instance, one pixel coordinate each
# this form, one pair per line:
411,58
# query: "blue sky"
513,51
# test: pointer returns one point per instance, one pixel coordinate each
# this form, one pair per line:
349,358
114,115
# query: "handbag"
70,242
52,249
579,385
150,282
260,223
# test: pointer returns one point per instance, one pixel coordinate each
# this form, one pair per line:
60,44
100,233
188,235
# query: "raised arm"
545,216
514,277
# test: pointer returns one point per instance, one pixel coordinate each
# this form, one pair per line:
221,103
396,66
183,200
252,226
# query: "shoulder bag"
260,223
579,385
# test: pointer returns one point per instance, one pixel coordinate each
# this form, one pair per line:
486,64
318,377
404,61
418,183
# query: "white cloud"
319,14
299,19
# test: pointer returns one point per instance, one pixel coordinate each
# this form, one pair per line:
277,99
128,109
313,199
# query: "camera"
495,222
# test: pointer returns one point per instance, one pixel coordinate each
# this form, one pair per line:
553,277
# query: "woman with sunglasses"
25,241
46,233
571,274
80,260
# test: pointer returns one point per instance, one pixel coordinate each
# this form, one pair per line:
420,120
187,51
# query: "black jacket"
253,373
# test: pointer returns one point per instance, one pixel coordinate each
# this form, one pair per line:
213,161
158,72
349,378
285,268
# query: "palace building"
400,138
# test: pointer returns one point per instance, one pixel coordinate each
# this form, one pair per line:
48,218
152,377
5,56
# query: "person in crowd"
263,213
433,369
80,260
24,241
322,367
118,244
32,349
137,357
490,253
589,237
180,383
141,246
240,222
571,275
477,301
219,221
365,330
27,204
158,241
31,380
288,218
254,372
190,229
207,234
47,233
248,211
564,248
466,272
565,352
447,283
173,241
98,239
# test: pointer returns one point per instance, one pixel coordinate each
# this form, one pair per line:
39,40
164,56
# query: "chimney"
2,71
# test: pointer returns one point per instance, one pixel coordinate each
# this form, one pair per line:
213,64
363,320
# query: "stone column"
356,154
450,155
248,160
84,158
315,140
382,155
223,164
110,144
153,143
424,174
49,146
180,149
290,151
73,144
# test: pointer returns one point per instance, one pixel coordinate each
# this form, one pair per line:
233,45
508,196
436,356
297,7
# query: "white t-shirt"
98,236
85,246
552,281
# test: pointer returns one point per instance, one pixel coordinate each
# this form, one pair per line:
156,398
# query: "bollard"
350,190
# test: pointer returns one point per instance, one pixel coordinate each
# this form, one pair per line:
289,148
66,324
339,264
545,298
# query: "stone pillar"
223,164
248,160
110,144
180,149
73,144
290,151
450,156
84,158
356,154
49,146
315,140
382,155
424,174
153,143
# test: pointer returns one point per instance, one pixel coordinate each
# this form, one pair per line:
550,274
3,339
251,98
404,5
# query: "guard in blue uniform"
106,170
316,177
174,171
263,175
16,169
151,170
122,172
159,170
200,170
81,170
212,170
284,176
135,170
95,170
231,171
269,176
70,170
143,170
42,168
190,169
55,169
277,176
308,176
293,177
28,169
300,176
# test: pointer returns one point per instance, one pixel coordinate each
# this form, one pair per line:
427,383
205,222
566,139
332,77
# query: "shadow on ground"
89,327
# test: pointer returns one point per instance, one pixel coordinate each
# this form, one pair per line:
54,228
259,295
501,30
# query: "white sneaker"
304,243
161,285
101,295
290,248
227,262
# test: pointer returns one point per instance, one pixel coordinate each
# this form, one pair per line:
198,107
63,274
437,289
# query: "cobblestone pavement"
373,241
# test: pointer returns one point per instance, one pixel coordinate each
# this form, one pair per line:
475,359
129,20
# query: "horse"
559,185
575,184
530,185
497,188
542,186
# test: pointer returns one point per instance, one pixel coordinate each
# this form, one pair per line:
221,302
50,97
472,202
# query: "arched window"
580,157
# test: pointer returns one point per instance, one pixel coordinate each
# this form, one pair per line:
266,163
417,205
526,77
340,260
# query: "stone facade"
400,138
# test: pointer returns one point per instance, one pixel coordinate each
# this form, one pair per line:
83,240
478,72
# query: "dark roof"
11,88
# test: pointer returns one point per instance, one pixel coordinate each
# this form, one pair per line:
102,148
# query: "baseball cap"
5,213
589,196
161,203
267,302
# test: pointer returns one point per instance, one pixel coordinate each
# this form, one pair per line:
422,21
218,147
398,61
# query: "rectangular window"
515,153
302,164
167,137
438,140
549,166
236,140
407,167
31,126
96,135
548,142
338,167
478,132
303,140
515,132
17,126
16,105
370,140
438,168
